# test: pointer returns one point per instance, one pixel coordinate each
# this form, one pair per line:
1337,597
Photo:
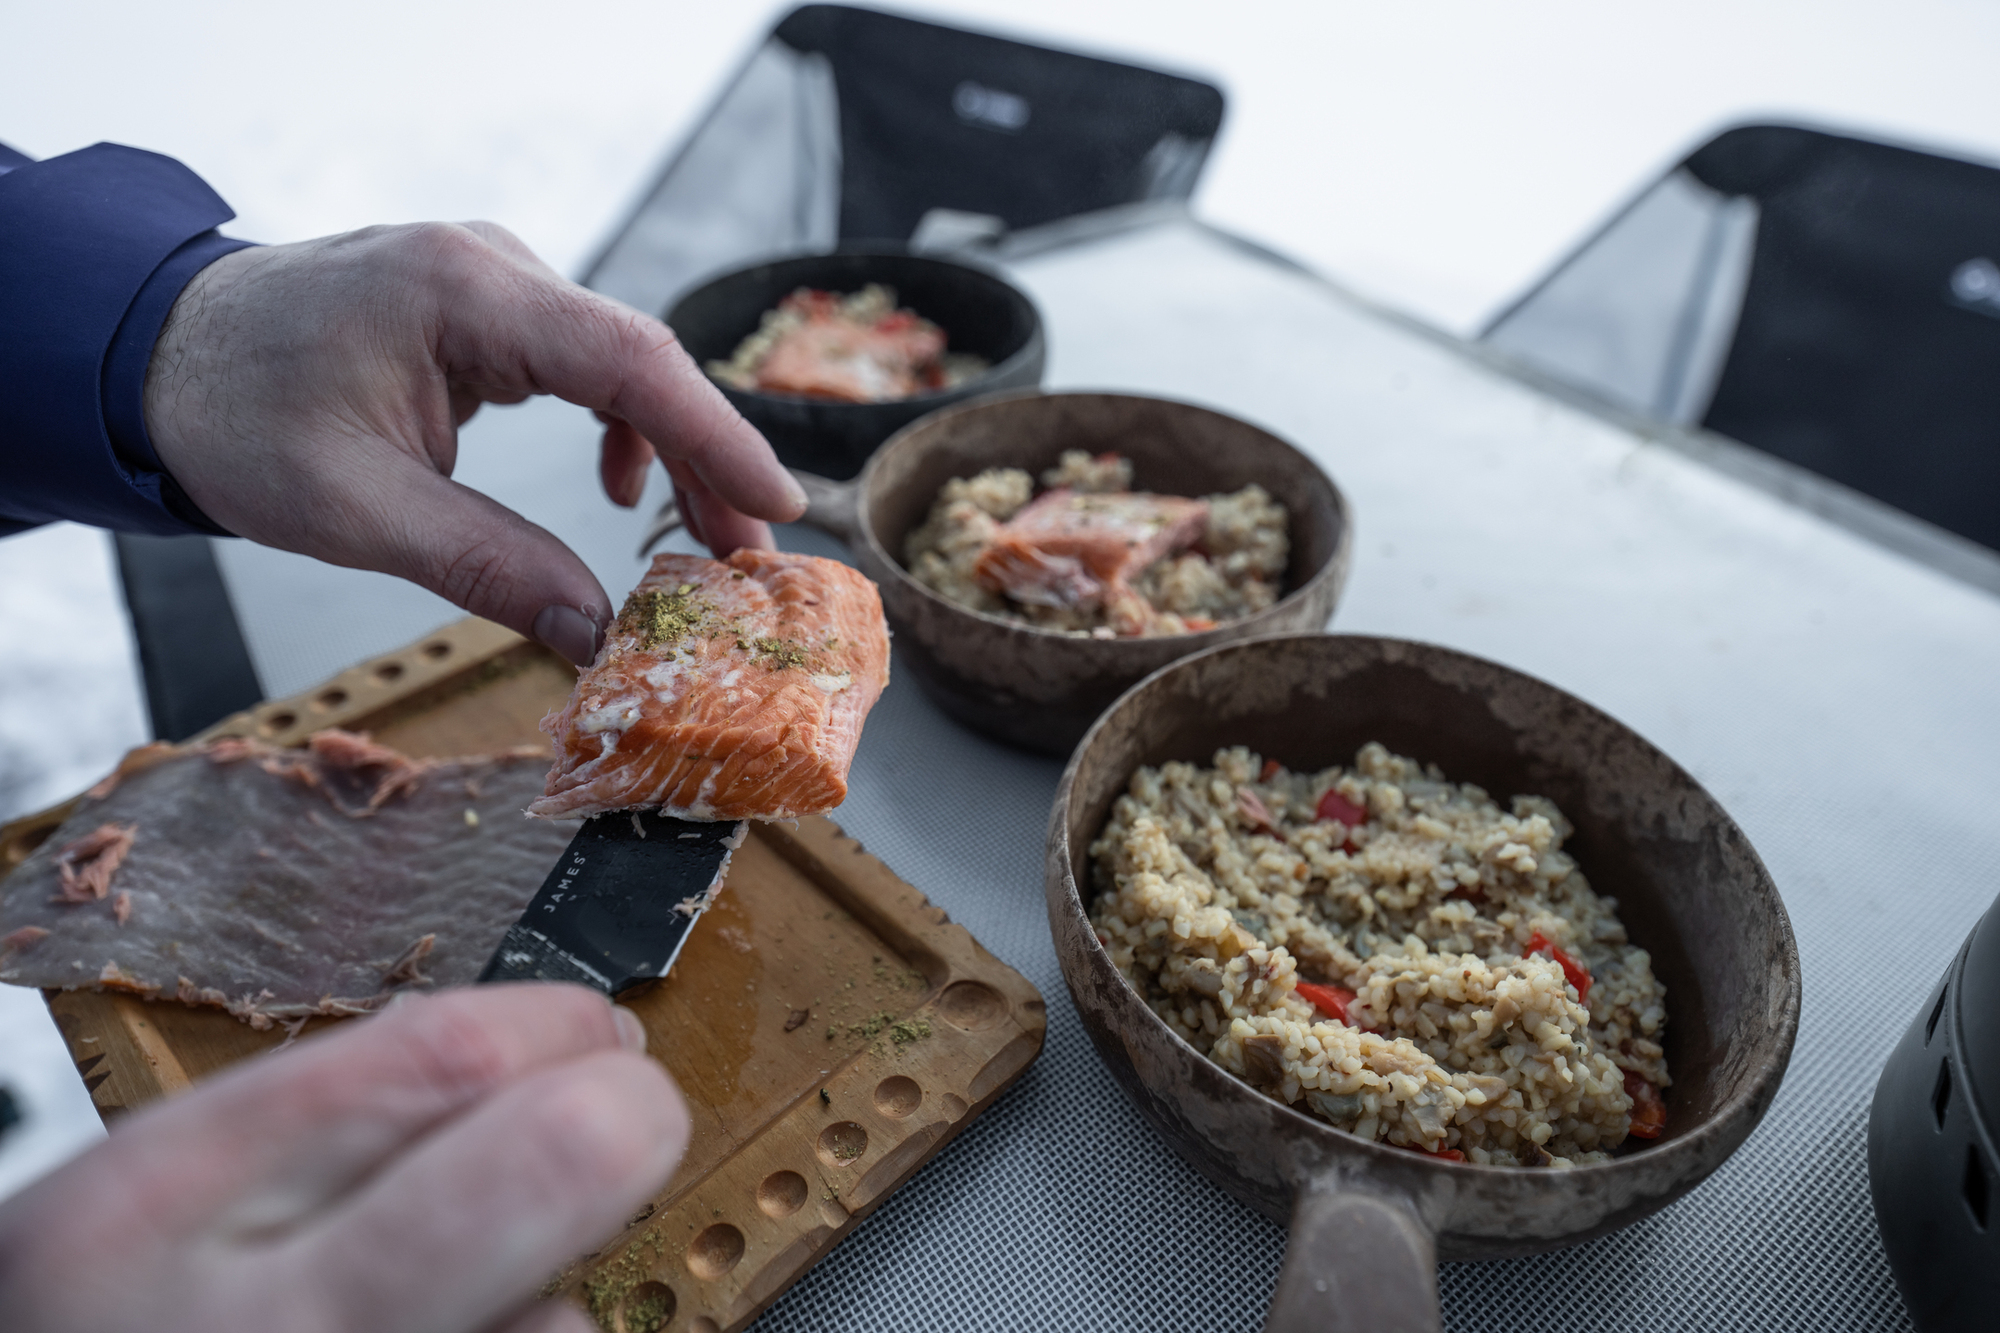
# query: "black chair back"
936,117
849,125
1868,346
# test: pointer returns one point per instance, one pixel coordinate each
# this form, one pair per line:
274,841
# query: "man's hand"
425,1170
309,397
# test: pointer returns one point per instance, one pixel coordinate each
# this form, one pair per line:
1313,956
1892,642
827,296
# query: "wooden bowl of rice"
1369,1220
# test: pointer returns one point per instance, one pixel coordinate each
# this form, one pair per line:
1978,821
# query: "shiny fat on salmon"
726,689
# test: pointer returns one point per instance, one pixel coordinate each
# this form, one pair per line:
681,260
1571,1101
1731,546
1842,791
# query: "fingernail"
631,1032
570,632
401,999
796,493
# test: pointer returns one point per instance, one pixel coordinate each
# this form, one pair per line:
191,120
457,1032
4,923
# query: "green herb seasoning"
779,654
615,1279
649,1312
662,618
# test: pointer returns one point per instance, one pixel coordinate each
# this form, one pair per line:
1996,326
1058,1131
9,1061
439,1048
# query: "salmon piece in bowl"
1066,546
727,689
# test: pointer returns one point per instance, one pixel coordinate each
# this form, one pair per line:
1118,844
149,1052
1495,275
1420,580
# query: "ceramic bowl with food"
1038,688
983,319
1369,1219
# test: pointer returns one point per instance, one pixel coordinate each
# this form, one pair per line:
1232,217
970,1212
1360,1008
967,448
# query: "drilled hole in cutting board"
782,1194
715,1251
646,1308
971,1006
897,1096
842,1144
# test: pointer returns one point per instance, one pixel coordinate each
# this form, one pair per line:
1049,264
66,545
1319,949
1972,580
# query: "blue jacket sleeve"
94,248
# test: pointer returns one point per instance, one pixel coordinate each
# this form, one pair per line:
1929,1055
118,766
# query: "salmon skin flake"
726,689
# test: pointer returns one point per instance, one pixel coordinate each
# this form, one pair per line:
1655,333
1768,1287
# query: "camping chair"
849,125
1824,299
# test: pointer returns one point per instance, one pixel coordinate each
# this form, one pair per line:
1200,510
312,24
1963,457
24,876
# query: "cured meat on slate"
281,883
726,690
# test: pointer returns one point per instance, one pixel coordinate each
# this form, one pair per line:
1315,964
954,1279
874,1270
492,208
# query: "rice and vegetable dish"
1091,556
1389,951
855,348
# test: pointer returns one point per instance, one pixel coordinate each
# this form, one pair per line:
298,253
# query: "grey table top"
1832,694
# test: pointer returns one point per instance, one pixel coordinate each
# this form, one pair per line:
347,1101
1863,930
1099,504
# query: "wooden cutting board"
831,1028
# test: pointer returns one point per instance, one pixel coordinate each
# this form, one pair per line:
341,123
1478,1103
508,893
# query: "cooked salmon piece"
1037,578
727,689
850,350
1108,537
850,362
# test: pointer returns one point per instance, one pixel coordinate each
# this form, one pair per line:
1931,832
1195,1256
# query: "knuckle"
448,250
476,576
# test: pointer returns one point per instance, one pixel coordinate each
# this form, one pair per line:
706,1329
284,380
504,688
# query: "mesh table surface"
1833,696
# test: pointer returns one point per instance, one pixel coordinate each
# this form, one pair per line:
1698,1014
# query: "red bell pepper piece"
1576,973
1448,1154
1329,1000
1335,806
1338,808
1271,770
1649,1113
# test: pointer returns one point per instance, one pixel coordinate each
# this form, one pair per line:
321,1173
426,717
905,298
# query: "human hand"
423,1170
309,397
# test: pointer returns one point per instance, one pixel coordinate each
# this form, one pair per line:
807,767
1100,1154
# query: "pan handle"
1356,1261
834,507
831,506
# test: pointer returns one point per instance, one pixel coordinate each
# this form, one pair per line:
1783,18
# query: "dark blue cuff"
124,395
99,243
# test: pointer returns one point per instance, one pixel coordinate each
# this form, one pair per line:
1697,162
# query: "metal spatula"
618,906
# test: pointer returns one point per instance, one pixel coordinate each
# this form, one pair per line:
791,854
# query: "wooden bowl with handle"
1369,1221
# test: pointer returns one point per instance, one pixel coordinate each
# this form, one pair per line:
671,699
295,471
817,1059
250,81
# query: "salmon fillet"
1066,547
831,354
726,690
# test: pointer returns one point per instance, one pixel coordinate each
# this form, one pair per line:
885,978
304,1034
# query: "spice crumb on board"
1389,951
607,1289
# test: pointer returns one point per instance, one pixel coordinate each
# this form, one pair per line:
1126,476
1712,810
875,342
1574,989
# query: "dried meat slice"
282,883
726,690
